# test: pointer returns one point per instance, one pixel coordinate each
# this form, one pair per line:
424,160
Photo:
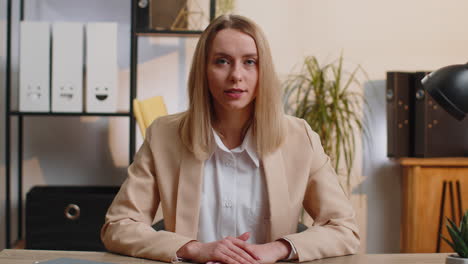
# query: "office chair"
146,111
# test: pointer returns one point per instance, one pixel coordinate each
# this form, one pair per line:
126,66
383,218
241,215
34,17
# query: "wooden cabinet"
433,190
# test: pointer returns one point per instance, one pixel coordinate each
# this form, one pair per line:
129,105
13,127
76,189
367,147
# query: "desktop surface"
21,256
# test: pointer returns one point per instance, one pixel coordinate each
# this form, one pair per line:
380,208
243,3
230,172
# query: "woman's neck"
231,126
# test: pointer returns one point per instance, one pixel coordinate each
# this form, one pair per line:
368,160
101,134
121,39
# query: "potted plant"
322,95
459,241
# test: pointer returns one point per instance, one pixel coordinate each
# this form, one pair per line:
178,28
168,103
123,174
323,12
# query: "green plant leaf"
450,243
453,225
460,246
464,227
320,94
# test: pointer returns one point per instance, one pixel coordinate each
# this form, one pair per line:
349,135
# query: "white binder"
34,72
67,67
101,67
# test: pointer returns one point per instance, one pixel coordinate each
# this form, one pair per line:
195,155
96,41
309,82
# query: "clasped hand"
234,250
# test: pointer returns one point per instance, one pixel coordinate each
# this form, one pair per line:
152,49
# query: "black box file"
67,217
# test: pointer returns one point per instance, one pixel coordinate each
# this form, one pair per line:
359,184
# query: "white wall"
379,35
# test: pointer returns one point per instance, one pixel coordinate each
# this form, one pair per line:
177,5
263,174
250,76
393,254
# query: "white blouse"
234,197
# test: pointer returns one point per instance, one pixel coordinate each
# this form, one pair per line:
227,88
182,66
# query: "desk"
16,256
21,256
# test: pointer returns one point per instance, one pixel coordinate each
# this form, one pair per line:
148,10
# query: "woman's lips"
234,93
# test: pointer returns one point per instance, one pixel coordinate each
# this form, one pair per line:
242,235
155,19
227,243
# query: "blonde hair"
268,117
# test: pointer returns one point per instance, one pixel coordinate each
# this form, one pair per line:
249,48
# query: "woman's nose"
236,73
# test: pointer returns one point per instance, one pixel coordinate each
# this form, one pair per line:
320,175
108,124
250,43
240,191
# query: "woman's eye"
221,61
251,62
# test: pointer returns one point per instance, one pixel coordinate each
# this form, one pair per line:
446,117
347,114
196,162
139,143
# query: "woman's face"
232,71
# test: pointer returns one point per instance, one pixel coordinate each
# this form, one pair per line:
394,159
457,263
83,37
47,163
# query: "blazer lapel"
278,195
188,195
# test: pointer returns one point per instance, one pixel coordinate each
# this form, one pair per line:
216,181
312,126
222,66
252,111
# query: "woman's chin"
237,106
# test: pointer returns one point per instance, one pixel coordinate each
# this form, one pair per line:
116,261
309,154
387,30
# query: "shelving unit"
139,27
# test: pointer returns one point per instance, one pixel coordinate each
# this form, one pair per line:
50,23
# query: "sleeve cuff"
293,253
176,259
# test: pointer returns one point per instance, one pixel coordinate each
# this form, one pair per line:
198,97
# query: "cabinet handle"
143,3
72,211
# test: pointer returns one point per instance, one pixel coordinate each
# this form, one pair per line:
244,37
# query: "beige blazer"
164,173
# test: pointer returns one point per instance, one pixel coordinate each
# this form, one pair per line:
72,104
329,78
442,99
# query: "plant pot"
455,259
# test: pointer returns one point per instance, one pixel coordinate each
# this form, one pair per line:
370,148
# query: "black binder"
400,98
437,134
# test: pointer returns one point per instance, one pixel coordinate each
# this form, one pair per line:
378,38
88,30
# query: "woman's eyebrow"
227,55
221,54
250,55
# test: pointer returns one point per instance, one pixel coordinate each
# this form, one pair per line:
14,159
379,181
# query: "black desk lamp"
448,86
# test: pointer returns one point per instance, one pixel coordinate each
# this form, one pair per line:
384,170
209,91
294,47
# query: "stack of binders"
69,68
416,125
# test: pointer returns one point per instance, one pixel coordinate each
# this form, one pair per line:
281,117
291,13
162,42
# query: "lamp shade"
448,86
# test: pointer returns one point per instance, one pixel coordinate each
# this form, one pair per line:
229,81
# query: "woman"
232,173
